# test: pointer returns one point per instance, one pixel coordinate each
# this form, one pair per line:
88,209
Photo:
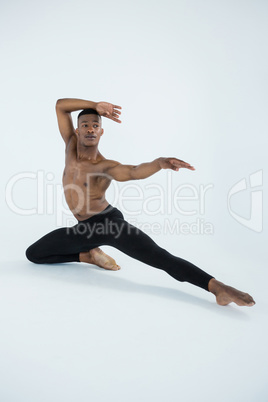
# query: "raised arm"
121,172
64,107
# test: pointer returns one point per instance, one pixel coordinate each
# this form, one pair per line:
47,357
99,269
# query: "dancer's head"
89,128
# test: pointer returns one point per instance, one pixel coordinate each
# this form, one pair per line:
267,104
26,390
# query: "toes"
251,302
249,299
113,267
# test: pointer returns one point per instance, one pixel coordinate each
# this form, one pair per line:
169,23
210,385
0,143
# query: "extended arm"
64,107
130,172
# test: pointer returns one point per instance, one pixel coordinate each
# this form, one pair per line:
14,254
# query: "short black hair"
88,111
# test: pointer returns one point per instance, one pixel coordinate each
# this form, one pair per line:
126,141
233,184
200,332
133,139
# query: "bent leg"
78,243
60,245
54,247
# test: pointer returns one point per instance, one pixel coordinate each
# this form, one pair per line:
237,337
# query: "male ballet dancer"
86,177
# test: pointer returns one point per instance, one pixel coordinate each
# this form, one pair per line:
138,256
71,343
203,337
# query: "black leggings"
109,228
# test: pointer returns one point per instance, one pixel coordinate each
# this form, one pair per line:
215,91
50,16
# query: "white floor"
74,332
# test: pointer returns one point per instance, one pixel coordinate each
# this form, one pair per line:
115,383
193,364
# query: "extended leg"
138,245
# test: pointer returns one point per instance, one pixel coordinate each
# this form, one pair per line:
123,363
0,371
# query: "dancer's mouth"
90,136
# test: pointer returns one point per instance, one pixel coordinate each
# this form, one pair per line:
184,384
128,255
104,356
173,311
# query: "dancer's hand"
174,164
109,110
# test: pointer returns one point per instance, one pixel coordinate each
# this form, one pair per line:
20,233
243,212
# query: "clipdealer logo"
49,199
154,199
255,221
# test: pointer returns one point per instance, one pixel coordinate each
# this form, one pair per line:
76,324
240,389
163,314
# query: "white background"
191,77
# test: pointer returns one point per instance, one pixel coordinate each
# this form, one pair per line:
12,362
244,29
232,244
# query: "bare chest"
85,176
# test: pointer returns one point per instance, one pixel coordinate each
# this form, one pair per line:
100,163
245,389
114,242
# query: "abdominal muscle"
84,198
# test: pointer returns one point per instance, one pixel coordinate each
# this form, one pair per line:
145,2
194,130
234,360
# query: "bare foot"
97,257
226,294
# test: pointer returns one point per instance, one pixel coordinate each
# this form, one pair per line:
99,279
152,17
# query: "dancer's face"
89,129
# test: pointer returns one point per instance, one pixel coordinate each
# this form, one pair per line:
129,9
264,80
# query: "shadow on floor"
93,276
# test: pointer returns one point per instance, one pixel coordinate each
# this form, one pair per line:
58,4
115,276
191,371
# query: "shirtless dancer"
86,177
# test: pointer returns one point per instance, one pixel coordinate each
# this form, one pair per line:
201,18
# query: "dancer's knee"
32,255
